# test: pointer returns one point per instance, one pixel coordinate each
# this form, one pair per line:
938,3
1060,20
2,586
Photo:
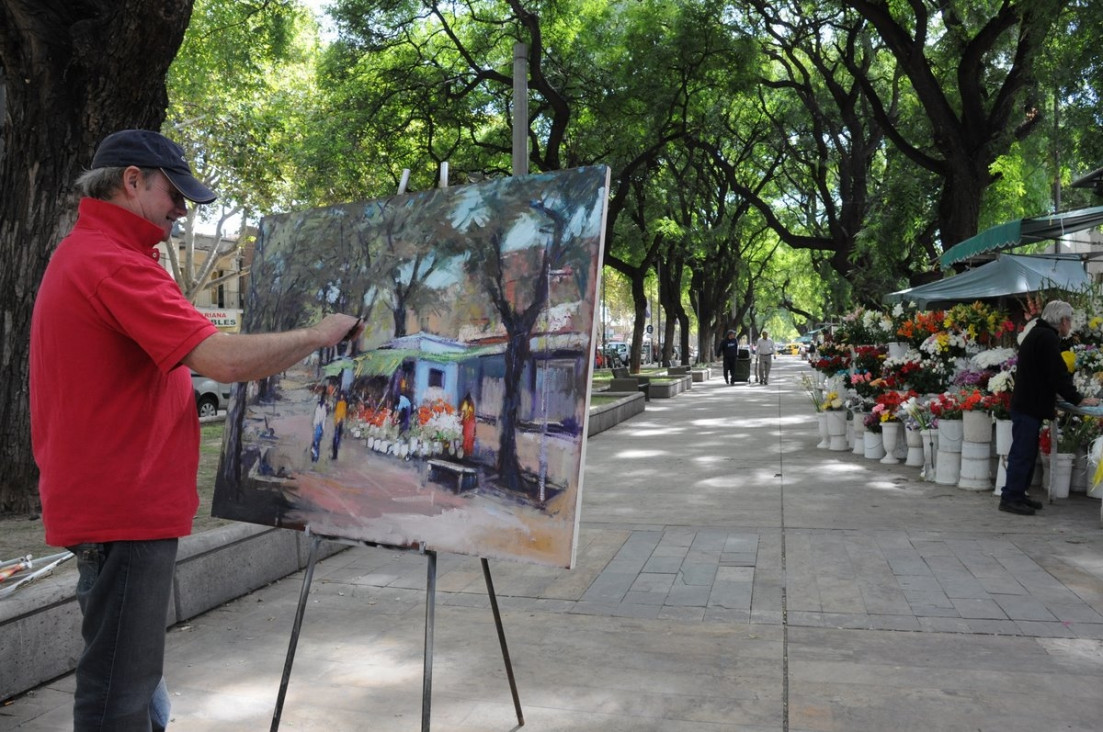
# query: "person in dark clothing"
1040,376
729,349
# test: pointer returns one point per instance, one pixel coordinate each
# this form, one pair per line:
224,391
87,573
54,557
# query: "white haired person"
1041,374
765,350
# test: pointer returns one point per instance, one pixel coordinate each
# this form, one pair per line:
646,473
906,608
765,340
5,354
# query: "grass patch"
24,534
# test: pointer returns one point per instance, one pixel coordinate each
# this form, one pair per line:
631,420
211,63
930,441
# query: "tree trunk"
70,73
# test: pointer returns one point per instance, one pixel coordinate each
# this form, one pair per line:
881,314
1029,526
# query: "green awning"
383,362
1023,231
1008,275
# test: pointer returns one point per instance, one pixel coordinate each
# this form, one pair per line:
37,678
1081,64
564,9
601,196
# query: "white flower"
898,310
1001,382
993,357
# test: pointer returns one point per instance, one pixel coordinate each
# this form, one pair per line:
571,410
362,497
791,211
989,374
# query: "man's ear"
132,178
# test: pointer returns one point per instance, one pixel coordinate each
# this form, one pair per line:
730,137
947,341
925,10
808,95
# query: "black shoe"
1036,505
1021,508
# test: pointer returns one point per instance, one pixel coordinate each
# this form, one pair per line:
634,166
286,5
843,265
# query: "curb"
40,628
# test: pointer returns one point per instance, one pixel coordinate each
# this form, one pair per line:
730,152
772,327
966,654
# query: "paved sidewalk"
730,576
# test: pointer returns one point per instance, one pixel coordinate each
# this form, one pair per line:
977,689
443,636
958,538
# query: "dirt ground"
21,535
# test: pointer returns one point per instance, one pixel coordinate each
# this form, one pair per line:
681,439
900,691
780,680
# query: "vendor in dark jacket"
1041,374
729,349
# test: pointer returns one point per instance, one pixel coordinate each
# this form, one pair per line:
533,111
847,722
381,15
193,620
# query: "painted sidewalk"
730,576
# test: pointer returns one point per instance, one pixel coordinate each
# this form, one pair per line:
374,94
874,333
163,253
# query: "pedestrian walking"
765,350
728,349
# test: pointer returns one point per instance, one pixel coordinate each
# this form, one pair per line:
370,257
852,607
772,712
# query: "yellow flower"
1095,322
1070,360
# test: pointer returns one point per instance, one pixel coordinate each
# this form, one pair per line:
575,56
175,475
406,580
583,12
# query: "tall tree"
970,65
70,74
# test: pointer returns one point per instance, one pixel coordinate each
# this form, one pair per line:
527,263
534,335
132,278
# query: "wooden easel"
430,612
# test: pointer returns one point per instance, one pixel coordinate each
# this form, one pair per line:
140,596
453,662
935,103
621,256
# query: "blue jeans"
1022,457
123,591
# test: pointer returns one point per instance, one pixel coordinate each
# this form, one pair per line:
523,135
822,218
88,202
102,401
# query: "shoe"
1036,505
1018,507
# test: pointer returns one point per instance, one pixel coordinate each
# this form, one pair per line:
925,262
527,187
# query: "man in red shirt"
113,421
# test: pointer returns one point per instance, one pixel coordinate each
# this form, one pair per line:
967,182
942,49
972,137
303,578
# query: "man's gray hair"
1055,311
102,183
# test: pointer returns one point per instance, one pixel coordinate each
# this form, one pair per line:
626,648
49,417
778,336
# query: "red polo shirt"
113,418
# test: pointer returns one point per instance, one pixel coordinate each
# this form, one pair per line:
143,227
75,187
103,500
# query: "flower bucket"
890,435
821,425
950,434
976,426
836,429
1003,436
914,440
874,449
1060,474
927,437
973,475
1078,480
948,457
859,425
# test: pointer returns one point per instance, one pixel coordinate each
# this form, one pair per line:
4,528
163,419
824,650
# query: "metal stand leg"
314,544
430,611
502,641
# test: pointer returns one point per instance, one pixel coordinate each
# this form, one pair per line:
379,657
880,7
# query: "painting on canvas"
456,422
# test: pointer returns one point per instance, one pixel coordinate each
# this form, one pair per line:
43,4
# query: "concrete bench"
677,370
466,478
624,381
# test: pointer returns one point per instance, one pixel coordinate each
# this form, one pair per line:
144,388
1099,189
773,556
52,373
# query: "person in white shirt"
765,350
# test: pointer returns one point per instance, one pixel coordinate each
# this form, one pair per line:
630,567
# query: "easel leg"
430,612
314,544
502,641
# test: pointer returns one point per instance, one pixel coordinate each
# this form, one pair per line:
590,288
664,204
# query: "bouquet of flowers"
920,327
994,359
918,414
978,401
872,421
944,345
870,359
864,384
814,391
946,406
833,401
972,378
889,404
831,359
852,330
1091,332
1076,431
1001,408
1088,376
879,327
923,375
979,322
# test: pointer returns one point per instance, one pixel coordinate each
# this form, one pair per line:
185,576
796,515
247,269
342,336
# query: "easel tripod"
430,612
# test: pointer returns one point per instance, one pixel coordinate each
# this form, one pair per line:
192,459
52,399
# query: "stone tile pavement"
730,576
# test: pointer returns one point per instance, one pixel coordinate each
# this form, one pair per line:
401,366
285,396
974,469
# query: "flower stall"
935,386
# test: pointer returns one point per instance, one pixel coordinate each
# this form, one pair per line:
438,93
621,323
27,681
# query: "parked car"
210,395
618,350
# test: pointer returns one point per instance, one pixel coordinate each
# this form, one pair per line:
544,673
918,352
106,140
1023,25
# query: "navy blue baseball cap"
148,149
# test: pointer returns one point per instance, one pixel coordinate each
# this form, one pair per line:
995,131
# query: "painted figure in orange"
467,420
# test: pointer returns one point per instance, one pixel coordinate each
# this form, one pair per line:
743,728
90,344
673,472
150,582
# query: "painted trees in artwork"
503,229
